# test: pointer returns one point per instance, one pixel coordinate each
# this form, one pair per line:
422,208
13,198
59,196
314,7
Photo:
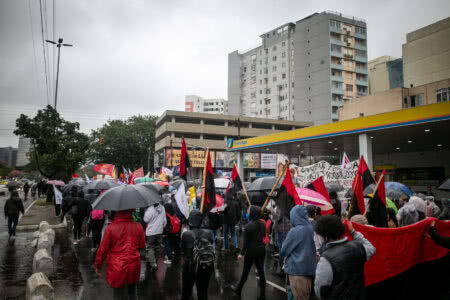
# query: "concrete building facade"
301,71
23,152
195,103
8,155
385,73
396,99
201,130
426,54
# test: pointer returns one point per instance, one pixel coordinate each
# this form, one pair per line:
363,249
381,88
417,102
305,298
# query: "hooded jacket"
155,217
254,234
121,243
232,213
407,215
298,247
13,207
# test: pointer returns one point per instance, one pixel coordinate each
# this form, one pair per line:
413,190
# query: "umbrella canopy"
445,185
144,179
70,186
221,183
156,187
163,183
397,186
56,182
334,187
13,184
390,192
101,185
78,181
126,197
391,204
263,184
313,197
176,183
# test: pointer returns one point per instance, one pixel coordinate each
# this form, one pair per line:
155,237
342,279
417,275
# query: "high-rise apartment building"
302,71
194,103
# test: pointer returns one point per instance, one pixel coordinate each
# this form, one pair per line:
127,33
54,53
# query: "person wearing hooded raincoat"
299,252
253,251
407,214
121,243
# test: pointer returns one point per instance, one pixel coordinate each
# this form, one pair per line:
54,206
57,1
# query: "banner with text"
197,158
330,173
268,161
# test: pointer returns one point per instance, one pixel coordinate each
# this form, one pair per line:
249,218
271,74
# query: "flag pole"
375,191
275,185
244,188
204,181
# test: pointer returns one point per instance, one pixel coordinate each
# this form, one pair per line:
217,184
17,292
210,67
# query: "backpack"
267,225
97,214
174,223
203,254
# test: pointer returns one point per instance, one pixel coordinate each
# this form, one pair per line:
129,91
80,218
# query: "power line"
54,38
43,48
34,47
49,74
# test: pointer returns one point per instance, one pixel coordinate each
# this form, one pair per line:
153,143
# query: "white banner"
330,173
182,200
58,195
268,161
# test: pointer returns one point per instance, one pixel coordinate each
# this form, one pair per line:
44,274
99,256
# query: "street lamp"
59,44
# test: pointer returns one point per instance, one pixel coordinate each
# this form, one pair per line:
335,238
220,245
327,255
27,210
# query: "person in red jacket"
121,243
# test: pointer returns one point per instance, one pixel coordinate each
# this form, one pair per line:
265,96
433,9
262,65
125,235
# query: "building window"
266,80
361,53
260,81
253,95
283,65
274,48
245,69
349,75
361,114
283,44
274,78
360,30
260,92
442,95
292,86
274,68
266,101
336,24
260,61
283,76
274,58
283,54
416,100
267,91
349,87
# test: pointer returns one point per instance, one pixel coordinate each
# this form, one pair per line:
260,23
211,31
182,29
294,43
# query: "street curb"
35,227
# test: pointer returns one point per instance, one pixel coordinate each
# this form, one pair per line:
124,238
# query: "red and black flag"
235,184
287,197
209,194
318,186
377,211
184,160
363,178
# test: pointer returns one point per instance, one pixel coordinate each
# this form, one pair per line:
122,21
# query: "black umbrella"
13,184
391,194
445,186
127,197
78,181
101,185
263,184
334,187
68,187
155,187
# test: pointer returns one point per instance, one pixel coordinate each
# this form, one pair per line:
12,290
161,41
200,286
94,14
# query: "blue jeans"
228,228
12,223
281,236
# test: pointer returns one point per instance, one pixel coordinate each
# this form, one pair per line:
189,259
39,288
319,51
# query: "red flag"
381,189
363,178
288,196
377,212
105,169
75,175
184,160
318,186
235,182
138,173
210,188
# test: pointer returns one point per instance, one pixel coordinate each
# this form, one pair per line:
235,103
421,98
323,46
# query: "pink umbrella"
56,182
313,197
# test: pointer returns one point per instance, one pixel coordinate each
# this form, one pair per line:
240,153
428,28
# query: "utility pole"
59,44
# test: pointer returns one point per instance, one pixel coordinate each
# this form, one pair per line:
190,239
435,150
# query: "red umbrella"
56,182
163,183
313,197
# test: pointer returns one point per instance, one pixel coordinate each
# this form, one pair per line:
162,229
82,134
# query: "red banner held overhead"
138,173
105,169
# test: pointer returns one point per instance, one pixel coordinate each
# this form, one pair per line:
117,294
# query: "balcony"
361,94
337,66
337,103
360,47
337,78
361,58
334,116
335,29
360,35
336,42
349,56
337,91
361,70
362,82
336,54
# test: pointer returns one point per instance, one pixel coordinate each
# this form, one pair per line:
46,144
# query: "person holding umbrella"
123,238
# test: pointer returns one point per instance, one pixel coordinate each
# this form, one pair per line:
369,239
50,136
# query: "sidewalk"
39,211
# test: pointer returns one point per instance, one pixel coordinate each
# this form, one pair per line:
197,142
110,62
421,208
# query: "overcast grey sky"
142,57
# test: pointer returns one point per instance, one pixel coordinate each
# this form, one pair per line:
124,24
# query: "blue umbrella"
397,186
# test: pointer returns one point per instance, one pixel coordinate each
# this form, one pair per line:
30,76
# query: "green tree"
128,144
58,148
